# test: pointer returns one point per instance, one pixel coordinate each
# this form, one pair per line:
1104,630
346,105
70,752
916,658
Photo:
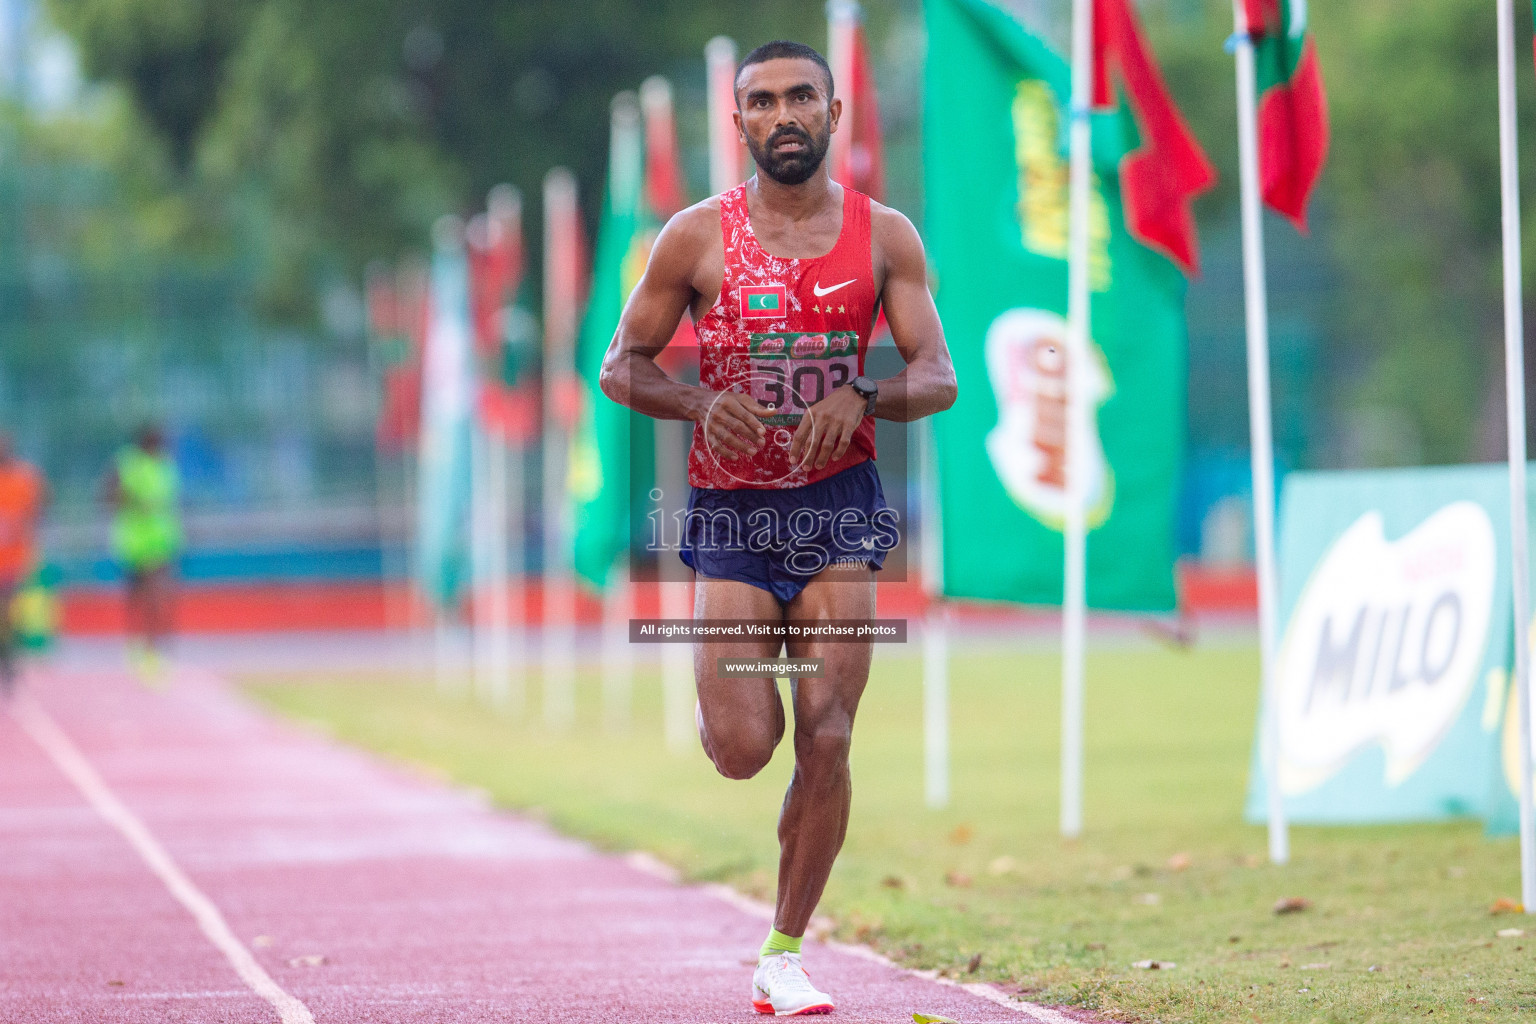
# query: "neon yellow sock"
778,942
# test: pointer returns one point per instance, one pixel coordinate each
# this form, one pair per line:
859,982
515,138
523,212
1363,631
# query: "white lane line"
42,728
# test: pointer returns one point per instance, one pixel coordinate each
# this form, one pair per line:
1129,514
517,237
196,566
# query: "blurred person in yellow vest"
23,494
146,539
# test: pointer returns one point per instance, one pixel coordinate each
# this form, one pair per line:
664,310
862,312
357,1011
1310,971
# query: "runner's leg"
815,815
158,595
741,720
134,601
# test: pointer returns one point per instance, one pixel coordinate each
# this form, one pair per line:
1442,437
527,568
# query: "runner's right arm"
668,287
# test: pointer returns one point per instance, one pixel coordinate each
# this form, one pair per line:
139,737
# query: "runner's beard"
792,168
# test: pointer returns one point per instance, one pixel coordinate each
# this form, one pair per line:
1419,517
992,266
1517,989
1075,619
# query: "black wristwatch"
869,390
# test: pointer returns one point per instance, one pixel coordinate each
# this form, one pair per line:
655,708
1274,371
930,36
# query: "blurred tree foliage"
1407,210
313,137
335,133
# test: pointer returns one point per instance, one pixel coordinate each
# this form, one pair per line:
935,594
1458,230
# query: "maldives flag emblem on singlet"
763,301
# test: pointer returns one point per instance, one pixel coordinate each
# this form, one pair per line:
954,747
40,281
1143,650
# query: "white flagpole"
1259,427
935,626
447,382
618,659
479,237
504,206
412,288
1514,380
559,586
672,437
676,659
517,572
1079,301
625,181
725,160
480,543
499,658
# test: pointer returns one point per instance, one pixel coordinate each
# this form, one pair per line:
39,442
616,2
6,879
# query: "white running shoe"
781,987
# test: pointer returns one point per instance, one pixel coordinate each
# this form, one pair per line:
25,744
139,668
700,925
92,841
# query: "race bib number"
792,371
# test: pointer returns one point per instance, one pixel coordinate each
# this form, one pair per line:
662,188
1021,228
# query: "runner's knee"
739,753
821,748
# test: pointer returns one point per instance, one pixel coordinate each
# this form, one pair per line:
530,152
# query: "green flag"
996,222
600,470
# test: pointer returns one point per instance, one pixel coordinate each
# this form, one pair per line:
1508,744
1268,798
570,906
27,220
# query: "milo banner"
996,224
1392,670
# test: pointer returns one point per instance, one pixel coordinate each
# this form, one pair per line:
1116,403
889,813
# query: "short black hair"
784,48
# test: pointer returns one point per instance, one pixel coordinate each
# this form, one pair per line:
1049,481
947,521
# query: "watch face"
867,388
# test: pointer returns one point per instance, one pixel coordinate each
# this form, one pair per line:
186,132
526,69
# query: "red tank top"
786,331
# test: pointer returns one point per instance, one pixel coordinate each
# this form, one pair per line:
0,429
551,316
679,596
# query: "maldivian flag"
1161,177
1293,108
447,405
996,224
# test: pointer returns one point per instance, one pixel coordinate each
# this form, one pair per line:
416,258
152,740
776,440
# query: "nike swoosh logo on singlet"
820,291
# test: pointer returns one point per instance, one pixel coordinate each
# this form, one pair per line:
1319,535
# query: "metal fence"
262,420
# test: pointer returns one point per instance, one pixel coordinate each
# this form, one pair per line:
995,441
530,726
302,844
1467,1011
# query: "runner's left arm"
927,384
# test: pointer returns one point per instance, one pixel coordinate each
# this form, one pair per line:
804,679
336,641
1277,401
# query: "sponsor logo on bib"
810,346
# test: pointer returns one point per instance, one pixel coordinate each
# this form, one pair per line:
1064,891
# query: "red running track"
178,856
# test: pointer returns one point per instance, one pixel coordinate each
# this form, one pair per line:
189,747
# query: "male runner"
783,277
146,537
22,497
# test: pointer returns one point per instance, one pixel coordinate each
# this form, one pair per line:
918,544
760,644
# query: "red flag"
565,285
858,157
510,413
665,195
1159,180
663,166
1293,106
400,415
867,154
495,247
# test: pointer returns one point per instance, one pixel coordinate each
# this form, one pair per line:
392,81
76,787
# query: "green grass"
1399,926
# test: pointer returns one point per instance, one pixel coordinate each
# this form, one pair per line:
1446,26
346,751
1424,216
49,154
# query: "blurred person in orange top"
23,493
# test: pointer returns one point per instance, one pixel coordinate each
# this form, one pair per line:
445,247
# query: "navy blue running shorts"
779,540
